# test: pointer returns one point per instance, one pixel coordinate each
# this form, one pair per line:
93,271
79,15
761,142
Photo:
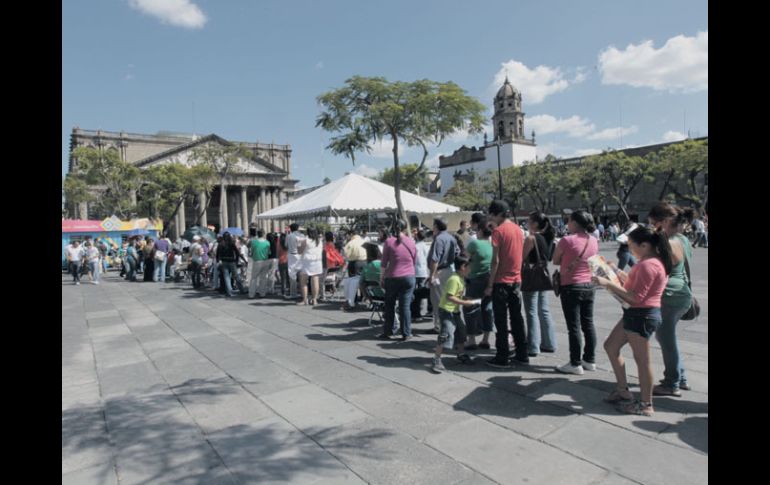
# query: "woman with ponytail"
398,279
538,247
642,290
677,297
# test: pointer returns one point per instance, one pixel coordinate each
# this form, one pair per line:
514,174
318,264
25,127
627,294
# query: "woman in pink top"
642,289
577,291
398,280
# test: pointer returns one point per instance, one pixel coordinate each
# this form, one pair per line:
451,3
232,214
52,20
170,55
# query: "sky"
594,74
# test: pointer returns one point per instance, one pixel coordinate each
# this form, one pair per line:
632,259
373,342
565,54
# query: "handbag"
694,311
160,255
535,276
570,269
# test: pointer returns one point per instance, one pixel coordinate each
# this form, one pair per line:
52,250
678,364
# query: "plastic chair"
376,295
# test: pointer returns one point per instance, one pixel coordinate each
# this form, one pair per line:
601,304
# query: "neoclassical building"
261,182
509,143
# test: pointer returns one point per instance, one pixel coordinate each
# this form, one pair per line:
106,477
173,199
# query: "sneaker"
484,346
547,351
406,338
383,336
589,366
500,364
684,386
532,354
666,391
568,368
465,359
438,366
77,283
520,360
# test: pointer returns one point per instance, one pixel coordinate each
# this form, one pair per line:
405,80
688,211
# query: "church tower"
508,120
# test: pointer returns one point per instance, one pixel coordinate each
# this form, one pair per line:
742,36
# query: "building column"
255,210
83,210
223,208
133,198
263,204
181,218
244,211
203,203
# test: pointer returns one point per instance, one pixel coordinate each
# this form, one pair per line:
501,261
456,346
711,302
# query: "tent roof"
353,195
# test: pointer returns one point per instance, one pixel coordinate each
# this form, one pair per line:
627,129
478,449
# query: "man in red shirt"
505,285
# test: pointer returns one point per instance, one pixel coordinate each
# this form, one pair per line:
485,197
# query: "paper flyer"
600,267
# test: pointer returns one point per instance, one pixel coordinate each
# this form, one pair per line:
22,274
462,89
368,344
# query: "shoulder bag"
570,269
535,276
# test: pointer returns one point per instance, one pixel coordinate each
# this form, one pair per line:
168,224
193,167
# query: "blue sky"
588,70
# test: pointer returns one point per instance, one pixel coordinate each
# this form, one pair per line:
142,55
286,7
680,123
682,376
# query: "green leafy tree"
420,113
411,178
617,175
102,172
540,183
581,181
76,190
224,159
471,194
166,186
684,165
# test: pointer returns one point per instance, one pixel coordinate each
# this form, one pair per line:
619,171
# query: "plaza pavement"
164,384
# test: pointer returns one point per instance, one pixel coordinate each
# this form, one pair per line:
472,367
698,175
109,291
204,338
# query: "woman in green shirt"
479,320
676,298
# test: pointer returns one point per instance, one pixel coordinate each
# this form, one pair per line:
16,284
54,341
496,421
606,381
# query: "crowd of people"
471,284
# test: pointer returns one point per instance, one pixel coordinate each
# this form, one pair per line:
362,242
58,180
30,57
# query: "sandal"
616,397
636,407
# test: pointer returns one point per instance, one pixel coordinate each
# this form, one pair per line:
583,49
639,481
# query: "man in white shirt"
92,256
74,254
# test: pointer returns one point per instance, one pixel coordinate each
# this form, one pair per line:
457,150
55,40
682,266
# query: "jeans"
196,273
160,271
539,323
452,327
131,264
93,267
75,270
625,257
701,240
435,295
673,375
283,270
475,290
506,300
228,270
577,302
401,289
217,267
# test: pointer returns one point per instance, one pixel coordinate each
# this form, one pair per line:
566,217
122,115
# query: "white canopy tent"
354,195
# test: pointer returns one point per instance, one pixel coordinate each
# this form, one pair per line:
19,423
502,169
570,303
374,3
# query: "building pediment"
183,154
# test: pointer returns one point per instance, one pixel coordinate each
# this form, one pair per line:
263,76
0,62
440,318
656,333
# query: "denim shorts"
451,323
642,321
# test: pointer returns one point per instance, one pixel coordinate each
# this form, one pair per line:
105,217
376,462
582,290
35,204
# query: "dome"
507,90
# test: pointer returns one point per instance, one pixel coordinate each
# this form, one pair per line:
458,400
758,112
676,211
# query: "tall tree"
581,181
102,171
687,164
420,113
539,180
620,175
166,186
224,158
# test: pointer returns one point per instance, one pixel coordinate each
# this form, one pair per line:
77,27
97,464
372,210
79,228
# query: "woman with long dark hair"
642,290
282,250
577,292
398,280
538,247
677,297
149,259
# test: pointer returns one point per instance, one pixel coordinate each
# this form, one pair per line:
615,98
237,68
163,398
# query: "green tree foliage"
683,168
540,183
411,178
102,172
420,113
166,186
471,193
224,158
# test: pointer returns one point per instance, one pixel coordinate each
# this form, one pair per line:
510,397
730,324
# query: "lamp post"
499,170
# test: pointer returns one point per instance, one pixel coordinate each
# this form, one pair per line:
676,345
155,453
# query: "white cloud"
585,152
366,170
181,13
681,65
580,76
612,133
534,84
546,149
574,126
673,136
384,149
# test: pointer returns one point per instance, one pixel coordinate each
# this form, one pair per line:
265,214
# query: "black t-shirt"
546,251
227,253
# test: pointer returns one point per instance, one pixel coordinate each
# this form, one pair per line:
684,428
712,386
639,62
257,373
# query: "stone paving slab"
161,383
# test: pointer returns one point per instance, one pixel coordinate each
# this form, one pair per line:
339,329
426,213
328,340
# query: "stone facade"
262,182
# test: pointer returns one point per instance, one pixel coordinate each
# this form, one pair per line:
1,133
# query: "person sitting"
370,274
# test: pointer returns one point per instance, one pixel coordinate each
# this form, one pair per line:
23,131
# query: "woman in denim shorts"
642,290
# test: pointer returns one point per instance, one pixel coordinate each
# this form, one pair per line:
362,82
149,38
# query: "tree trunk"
666,184
222,205
397,182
